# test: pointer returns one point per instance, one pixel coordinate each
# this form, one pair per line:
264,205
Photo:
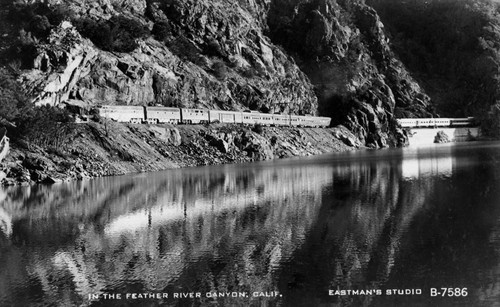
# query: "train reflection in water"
439,163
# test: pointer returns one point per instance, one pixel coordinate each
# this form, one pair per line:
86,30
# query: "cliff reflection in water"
150,232
356,240
300,227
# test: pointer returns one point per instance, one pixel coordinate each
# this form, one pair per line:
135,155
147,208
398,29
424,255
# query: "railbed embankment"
107,149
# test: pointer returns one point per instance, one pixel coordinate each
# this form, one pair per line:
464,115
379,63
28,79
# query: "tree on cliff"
491,121
116,34
44,126
47,127
12,99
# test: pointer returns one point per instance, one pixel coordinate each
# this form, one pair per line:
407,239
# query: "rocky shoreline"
109,149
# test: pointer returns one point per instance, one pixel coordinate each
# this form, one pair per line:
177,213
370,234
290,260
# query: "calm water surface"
292,230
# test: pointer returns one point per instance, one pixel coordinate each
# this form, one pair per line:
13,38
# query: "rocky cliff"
292,56
326,57
209,55
343,48
452,49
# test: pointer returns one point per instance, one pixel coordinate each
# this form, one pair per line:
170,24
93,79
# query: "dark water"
292,230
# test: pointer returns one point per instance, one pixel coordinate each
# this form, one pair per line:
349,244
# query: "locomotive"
162,115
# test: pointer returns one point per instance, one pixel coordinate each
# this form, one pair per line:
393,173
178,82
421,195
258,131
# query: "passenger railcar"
221,116
442,122
315,121
266,119
298,121
320,121
407,122
425,122
281,120
254,117
162,115
129,114
194,116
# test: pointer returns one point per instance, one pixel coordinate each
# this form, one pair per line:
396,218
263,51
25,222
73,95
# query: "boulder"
441,137
347,137
52,180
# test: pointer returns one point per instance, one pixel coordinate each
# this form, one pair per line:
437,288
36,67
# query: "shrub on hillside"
220,70
161,30
43,126
39,26
258,128
46,126
118,34
98,32
184,48
20,54
32,23
37,18
490,124
13,102
213,48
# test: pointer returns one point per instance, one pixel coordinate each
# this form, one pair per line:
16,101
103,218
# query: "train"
163,115
436,122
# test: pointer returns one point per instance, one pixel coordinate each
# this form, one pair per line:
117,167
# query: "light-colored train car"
310,121
160,115
126,114
322,121
254,117
298,121
432,122
266,119
424,122
229,117
442,122
250,117
407,122
194,116
281,120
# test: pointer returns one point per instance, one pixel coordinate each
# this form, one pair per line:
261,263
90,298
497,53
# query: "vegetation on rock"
13,102
118,33
24,27
44,126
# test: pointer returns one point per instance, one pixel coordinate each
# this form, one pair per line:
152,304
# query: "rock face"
290,56
217,58
342,47
441,137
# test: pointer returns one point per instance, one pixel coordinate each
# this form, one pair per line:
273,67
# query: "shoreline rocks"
118,149
441,138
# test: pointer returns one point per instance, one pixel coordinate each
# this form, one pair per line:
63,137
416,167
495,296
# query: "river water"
335,230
